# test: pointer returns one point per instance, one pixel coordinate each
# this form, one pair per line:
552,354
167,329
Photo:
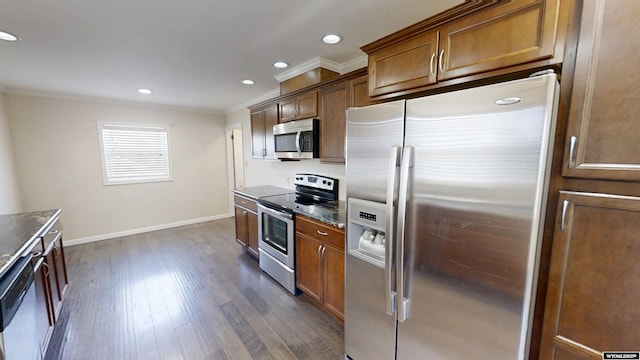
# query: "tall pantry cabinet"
594,277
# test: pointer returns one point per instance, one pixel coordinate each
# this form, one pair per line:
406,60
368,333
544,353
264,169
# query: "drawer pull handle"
322,233
53,232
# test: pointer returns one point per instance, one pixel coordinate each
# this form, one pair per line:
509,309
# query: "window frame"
138,126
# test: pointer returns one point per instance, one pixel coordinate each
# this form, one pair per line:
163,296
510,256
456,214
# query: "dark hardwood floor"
184,293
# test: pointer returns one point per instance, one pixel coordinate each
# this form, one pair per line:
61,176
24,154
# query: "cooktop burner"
313,192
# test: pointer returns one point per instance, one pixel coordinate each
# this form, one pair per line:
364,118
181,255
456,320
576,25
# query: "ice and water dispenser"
366,231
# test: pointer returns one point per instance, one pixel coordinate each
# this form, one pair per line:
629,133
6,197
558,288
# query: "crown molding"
306,66
354,64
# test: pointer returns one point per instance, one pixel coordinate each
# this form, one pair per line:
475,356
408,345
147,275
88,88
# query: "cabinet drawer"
50,235
326,233
245,203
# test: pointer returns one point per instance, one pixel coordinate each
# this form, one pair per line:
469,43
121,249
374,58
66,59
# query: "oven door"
275,234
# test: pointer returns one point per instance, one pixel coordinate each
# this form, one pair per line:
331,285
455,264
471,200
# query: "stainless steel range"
276,225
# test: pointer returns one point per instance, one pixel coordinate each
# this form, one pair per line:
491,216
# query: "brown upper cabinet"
504,35
303,106
333,102
359,92
603,126
262,121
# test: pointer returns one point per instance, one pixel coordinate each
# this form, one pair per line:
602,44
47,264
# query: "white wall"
280,173
57,157
9,192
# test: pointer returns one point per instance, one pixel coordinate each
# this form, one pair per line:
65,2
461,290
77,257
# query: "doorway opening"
235,160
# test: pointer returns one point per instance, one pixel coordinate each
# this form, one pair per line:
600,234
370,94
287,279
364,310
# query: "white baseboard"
89,239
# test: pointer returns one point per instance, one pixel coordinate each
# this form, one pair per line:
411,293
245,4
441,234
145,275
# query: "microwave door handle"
298,138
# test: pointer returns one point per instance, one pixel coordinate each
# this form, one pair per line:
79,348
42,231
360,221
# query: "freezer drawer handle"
402,211
390,294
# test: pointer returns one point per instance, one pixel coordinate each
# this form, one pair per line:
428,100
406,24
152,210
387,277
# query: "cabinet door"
60,268
333,123
241,225
258,149
309,266
252,234
334,280
270,118
54,291
406,65
517,32
592,297
44,310
603,126
359,92
307,105
288,109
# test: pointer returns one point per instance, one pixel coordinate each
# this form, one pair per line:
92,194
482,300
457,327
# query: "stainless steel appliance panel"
276,234
297,139
18,313
476,184
371,133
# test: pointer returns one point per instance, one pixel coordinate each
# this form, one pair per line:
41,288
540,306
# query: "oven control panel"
316,181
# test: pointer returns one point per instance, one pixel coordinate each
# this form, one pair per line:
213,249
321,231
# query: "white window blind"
134,153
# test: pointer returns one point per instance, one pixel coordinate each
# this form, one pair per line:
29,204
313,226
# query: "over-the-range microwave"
297,139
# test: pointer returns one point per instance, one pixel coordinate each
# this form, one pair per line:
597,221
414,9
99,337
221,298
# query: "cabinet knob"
321,233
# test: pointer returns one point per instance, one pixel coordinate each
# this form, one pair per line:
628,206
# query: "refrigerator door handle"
402,301
390,294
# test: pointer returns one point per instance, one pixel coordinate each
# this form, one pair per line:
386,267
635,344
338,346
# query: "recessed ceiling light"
248,82
145,91
331,39
280,64
8,37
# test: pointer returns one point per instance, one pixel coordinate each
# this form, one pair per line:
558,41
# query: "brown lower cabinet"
320,263
246,214
593,296
51,281
44,311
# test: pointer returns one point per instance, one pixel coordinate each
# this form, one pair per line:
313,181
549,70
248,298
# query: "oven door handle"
275,213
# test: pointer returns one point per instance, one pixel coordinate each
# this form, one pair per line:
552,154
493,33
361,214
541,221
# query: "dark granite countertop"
257,192
333,213
19,231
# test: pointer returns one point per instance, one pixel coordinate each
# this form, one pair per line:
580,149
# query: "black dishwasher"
18,335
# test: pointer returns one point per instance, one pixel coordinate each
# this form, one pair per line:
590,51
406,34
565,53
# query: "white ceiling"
191,53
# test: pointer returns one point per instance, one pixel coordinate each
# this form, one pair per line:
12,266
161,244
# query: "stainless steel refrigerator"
445,203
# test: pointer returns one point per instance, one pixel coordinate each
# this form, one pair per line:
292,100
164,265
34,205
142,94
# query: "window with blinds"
134,153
